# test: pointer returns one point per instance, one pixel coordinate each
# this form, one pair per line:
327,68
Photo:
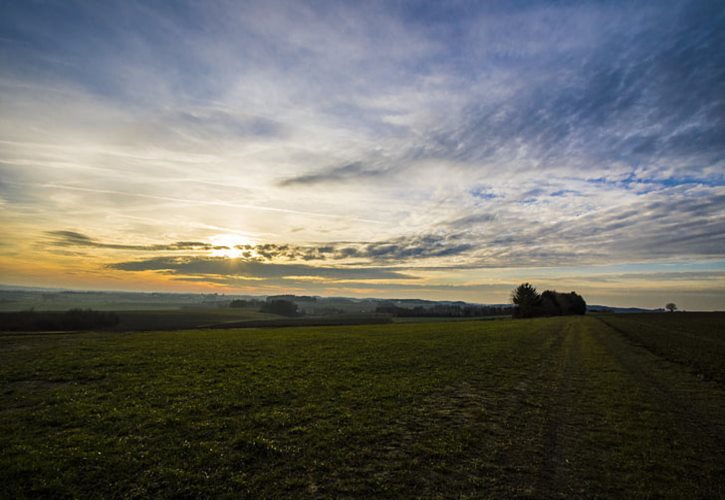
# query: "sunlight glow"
231,242
431,150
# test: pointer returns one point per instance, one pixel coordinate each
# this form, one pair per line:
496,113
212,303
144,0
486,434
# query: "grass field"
577,406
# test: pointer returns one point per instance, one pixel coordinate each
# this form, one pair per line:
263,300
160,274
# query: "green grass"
544,407
423,319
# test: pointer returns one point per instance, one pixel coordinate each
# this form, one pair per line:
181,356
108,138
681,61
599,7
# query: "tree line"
529,303
273,305
74,319
443,311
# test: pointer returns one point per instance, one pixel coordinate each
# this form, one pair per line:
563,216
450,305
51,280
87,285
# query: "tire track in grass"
496,417
678,390
696,343
689,413
522,447
621,422
553,476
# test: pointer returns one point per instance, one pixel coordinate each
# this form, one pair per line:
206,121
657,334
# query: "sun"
230,244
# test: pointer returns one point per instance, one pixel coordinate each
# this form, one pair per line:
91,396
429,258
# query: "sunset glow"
230,246
431,150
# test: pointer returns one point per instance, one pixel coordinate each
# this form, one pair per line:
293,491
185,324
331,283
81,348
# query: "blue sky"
417,149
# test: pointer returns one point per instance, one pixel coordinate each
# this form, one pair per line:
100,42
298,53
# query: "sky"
437,150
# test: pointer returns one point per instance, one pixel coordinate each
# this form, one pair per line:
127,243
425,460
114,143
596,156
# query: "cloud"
344,173
444,136
401,249
75,239
218,266
211,124
649,91
696,276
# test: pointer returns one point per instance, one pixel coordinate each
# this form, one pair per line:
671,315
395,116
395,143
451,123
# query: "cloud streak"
218,266
74,239
344,173
402,249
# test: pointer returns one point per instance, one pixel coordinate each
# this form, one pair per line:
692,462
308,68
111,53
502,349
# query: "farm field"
137,320
695,340
186,318
569,406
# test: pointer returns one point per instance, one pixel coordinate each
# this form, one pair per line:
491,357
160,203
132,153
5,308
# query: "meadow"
626,406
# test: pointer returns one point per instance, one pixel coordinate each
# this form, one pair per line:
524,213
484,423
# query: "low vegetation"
280,307
548,407
74,319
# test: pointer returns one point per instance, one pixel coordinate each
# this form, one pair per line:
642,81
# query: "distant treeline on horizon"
528,303
74,319
444,311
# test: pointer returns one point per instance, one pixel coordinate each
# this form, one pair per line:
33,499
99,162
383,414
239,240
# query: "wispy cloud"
218,266
344,173
74,239
403,249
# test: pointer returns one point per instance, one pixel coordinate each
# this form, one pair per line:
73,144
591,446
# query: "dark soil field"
609,406
186,318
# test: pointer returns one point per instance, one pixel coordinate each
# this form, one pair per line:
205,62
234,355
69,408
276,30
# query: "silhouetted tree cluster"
528,303
326,311
295,298
555,303
281,307
671,307
442,311
74,319
526,300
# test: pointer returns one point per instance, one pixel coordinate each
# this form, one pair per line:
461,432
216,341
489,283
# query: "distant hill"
620,310
15,297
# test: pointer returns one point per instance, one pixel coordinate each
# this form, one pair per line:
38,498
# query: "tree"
281,307
550,304
575,304
671,307
554,303
527,299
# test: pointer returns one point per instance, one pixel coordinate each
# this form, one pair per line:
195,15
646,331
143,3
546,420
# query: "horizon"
4,287
446,151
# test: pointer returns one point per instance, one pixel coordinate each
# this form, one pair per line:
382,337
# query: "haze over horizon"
434,150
